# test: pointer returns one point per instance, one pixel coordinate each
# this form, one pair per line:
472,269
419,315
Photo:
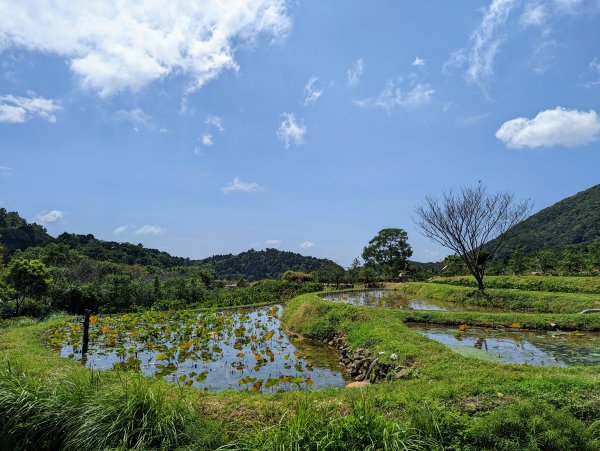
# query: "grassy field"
506,299
445,401
563,284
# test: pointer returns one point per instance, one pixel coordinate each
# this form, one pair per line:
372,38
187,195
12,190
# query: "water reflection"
541,348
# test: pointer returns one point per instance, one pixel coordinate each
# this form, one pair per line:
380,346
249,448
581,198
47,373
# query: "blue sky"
217,126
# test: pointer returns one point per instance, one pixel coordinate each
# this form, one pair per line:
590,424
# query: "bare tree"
466,220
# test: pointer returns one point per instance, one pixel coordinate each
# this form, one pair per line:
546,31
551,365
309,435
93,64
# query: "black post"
86,333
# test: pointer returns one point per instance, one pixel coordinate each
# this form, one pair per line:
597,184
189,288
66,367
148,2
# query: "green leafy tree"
454,266
517,262
29,278
388,251
594,254
330,272
353,273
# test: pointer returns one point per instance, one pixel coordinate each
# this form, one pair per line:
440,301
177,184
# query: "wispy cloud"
214,121
472,120
6,171
290,130
307,244
535,14
138,119
238,185
273,242
17,110
125,45
150,230
311,92
393,96
550,128
47,217
355,72
120,229
418,62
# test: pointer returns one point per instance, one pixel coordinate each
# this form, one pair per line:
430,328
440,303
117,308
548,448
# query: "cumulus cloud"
17,110
150,230
120,229
393,96
311,92
47,217
207,139
418,62
6,171
214,121
116,45
291,131
237,185
273,242
307,244
355,72
549,128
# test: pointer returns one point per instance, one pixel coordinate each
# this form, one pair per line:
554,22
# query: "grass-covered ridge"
508,299
559,284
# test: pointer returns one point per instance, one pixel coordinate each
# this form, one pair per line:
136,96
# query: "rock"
394,356
361,384
402,373
331,343
360,377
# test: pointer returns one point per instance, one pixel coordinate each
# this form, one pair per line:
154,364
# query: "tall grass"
78,413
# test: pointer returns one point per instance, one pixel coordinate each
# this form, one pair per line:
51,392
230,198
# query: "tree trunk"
479,279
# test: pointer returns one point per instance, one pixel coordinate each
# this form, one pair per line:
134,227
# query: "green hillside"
572,221
255,265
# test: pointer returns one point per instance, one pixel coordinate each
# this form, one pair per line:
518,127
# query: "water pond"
541,348
396,299
215,351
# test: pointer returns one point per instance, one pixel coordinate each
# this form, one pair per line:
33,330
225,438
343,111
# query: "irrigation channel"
541,348
245,349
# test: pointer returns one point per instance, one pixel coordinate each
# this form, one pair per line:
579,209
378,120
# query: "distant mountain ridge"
574,220
17,234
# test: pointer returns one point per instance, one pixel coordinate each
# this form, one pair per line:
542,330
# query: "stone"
402,373
360,377
394,356
361,384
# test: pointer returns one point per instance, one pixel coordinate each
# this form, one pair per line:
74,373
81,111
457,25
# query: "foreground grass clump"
556,284
81,413
515,300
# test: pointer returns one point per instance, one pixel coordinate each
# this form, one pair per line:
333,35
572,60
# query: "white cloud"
557,127
46,217
273,242
355,72
207,139
307,244
138,118
290,131
311,93
237,185
568,6
116,45
120,229
214,121
17,110
6,171
393,96
534,15
150,230
418,62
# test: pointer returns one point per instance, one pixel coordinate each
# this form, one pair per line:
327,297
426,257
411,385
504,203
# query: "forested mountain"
267,264
17,234
572,221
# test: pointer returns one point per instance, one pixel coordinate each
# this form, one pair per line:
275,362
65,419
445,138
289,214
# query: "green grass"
449,401
506,299
557,284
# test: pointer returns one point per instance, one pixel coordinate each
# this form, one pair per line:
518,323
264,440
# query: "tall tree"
468,219
28,278
389,251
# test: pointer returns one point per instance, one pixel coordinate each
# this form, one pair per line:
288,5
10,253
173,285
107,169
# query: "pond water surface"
541,348
244,350
396,299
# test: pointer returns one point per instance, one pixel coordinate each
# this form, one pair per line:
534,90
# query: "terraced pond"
540,348
396,299
215,351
